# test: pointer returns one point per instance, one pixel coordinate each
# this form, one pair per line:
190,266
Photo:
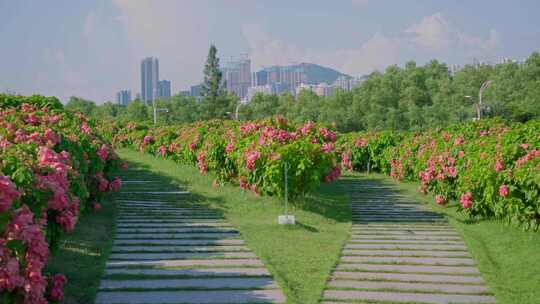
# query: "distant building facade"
149,79
164,89
196,90
237,77
123,97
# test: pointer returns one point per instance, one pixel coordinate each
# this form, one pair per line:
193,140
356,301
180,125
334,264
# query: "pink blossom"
361,143
251,158
115,184
162,150
314,141
461,154
334,174
147,139
102,183
201,162
327,147
8,193
458,141
327,134
32,119
85,129
466,200
243,182
439,199
57,286
524,146
103,152
503,190
499,165
96,206
307,128
230,147
52,137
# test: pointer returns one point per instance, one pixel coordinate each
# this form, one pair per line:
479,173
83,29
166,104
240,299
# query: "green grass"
508,257
300,258
82,254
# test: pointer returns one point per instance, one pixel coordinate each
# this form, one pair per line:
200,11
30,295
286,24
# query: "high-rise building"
123,97
149,79
237,76
164,89
196,90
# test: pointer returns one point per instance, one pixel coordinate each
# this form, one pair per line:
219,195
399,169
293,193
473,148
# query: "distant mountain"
316,73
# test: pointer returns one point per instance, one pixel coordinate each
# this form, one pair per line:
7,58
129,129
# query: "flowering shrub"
251,154
492,168
52,166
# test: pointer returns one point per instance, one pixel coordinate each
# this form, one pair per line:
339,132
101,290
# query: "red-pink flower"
8,193
503,190
251,158
96,206
103,152
327,148
466,200
524,146
147,139
115,184
499,165
52,137
439,199
57,287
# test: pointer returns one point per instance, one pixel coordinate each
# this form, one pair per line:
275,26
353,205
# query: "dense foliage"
53,167
251,154
409,98
492,168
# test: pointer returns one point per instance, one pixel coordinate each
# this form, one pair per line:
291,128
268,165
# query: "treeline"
400,98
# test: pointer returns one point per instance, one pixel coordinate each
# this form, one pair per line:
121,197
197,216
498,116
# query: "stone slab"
407,246
202,272
155,192
175,230
359,238
406,232
177,235
164,249
187,263
419,242
402,286
216,242
186,255
425,253
408,277
175,225
412,268
407,297
210,283
190,297
409,260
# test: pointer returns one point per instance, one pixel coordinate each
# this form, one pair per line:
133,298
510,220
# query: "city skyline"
93,49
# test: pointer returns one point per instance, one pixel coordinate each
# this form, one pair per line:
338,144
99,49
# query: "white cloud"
431,37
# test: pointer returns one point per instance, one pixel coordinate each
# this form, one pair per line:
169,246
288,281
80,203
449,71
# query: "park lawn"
82,254
507,256
301,258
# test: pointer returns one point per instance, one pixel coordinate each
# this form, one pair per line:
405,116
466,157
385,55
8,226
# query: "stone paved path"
168,250
399,251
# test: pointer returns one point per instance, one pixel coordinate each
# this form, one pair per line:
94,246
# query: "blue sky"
93,48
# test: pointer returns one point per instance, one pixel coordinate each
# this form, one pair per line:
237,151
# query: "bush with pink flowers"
491,167
251,154
52,166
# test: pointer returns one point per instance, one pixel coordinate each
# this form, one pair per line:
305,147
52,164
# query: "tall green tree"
212,89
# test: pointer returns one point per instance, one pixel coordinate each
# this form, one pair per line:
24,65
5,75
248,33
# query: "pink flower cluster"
328,135
333,175
103,153
466,200
504,190
251,158
532,154
26,279
439,199
327,148
8,193
346,160
102,182
115,184
201,162
147,139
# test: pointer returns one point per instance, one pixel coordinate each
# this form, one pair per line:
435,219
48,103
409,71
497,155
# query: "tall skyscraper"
164,89
149,79
123,97
237,76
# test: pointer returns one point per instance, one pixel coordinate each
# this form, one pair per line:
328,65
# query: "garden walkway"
169,250
400,251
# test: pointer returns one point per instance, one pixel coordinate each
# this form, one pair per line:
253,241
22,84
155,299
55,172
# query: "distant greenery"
409,98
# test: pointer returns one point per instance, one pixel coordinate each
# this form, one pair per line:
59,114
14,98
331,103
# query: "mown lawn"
82,254
300,258
508,257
